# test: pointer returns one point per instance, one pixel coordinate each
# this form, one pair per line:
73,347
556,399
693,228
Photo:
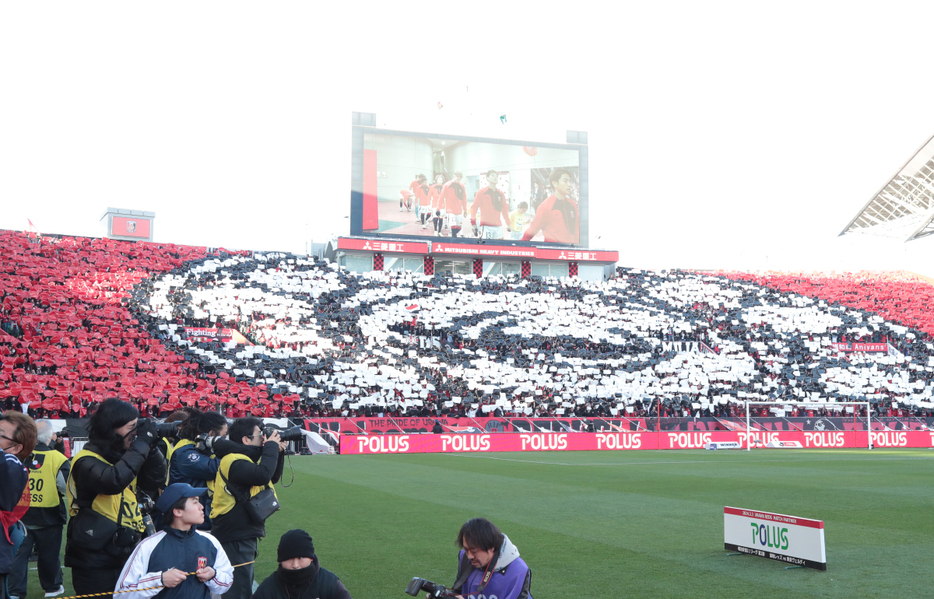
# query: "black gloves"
147,432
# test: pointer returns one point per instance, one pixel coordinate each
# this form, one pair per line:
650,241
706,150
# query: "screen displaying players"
457,188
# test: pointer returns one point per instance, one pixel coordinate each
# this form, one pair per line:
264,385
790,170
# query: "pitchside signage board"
790,539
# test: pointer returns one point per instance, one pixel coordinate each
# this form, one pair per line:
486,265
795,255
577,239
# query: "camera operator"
489,564
192,461
17,440
119,460
249,464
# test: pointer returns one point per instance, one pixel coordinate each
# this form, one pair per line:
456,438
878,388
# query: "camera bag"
260,506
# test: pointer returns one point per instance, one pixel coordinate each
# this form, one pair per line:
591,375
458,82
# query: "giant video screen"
420,185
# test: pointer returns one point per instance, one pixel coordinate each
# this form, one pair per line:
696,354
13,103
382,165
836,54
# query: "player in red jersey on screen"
494,210
557,217
434,191
452,204
422,199
405,200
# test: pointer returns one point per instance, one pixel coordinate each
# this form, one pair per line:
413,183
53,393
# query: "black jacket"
92,477
323,585
263,467
13,479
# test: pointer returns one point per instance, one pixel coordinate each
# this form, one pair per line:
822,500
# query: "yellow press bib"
122,508
43,467
224,501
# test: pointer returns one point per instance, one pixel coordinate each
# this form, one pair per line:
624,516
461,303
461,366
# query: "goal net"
845,412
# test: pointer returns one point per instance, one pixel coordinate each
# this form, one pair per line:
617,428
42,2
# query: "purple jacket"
511,577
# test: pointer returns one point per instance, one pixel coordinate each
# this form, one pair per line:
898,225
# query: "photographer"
489,564
119,461
192,461
248,465
17,440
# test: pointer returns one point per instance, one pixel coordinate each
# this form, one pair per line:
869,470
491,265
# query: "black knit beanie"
295,543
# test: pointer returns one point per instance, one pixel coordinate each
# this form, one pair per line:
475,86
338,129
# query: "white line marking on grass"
778,461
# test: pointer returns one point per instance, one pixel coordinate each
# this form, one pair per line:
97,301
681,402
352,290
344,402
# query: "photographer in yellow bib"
118,464
251,463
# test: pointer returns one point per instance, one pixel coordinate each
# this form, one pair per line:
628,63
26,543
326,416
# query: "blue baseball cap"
176,491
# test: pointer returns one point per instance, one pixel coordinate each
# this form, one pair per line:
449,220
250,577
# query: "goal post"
813,404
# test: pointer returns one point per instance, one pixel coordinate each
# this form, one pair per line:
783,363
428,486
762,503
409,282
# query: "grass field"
611,524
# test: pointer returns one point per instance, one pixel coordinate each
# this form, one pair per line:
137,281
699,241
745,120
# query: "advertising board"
613,441
790,539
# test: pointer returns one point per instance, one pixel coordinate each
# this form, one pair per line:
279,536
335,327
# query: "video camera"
289,434
434,590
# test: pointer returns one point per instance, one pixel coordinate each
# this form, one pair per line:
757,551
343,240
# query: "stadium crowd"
99,318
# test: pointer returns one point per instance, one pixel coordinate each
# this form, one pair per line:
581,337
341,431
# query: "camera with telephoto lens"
206,443
288,434
163,429
146,506
434,590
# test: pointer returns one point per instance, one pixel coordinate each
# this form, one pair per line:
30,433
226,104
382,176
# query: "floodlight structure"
904,207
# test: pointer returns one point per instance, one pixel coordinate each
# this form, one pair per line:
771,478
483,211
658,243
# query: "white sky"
722,134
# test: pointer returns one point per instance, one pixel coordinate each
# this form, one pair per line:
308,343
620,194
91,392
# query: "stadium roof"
904,207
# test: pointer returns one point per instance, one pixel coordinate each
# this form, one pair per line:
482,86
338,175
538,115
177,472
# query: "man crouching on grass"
489,564
178,562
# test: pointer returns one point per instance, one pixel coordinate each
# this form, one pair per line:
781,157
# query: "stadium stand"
85,319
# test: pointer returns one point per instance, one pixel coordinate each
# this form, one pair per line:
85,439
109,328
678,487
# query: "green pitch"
614,524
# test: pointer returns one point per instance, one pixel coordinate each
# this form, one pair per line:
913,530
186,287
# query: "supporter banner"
473,425
517,425
790,539
488,442
406,247
863,347
221,335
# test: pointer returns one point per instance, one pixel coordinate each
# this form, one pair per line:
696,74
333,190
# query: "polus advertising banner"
790,539
618,441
